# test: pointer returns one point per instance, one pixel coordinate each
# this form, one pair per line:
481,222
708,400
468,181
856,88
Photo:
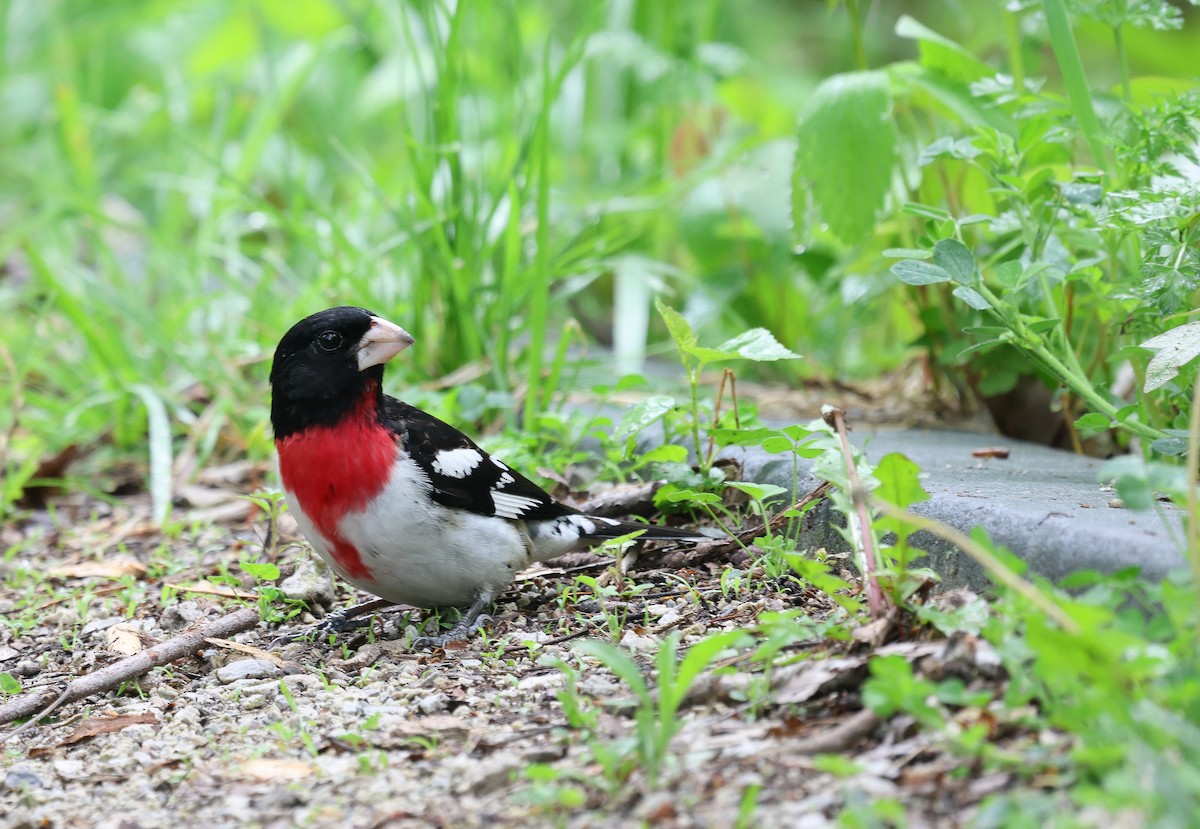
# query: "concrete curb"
1045,505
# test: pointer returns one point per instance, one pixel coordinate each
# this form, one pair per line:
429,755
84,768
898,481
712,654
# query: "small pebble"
247,669
432,703
20,777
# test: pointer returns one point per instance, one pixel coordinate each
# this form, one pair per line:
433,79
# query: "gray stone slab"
1045,505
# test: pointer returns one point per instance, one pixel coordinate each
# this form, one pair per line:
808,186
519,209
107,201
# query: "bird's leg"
470,622
337,622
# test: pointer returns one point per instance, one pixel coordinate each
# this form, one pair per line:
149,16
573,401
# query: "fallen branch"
842,737
105,679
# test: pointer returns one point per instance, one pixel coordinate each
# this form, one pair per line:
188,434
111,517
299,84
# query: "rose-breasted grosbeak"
398,502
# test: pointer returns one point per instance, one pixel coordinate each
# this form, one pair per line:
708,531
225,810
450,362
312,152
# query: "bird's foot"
340,621
470,622
463,629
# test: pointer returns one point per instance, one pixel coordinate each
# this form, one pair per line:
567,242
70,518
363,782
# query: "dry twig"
105,679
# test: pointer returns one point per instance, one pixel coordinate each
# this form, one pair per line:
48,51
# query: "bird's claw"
463,629
340,621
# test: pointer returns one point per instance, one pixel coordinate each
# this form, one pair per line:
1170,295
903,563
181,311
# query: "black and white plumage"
400,503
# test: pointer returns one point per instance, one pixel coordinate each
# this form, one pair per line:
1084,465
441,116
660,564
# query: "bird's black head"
326,363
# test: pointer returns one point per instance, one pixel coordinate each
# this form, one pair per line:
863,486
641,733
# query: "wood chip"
265,769
108,568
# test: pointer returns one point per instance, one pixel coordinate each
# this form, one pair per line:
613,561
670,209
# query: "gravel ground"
368,732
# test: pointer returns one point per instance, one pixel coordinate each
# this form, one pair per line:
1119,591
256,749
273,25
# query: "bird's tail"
575,531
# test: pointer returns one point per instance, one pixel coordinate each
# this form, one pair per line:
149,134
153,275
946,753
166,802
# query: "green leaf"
650,410
9,684
1009,274
678,327
899,481
777,444
941,53
972,297
916,272
758,492
1093,422
847,145
757,344
1176,348
264,571
956,259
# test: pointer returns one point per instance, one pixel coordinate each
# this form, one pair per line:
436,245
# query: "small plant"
756,345
656,715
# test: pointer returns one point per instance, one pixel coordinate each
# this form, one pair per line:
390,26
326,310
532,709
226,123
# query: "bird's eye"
329,341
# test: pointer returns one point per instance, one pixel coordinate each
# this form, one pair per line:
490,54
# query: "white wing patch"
457,463
512,506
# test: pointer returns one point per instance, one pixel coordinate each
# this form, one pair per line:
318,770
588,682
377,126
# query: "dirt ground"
369,732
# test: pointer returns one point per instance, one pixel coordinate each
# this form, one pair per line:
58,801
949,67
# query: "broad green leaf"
1176,348
9,684
846,145
642,415
757,344
899,481
916,272
778,444
1009,274
261,571
972,297
956,259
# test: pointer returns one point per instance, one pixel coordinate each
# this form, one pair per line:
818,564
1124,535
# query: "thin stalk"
1016,60
1072,377
875,600
1123,62
1062,40
860,51
986,559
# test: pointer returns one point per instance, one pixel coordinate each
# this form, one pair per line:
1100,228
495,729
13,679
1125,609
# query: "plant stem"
1072,377
860,52
875,600
994,567
1066,52
1016,61
1123,62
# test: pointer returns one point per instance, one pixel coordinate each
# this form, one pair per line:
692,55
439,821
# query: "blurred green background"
180,180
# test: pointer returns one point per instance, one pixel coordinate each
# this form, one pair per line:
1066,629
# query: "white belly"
420,553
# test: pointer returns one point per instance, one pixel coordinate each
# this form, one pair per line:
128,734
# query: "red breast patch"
334,470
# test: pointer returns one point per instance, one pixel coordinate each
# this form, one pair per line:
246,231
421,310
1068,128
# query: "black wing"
463,475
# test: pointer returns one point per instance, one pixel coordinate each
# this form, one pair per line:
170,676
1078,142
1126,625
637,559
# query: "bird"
397,502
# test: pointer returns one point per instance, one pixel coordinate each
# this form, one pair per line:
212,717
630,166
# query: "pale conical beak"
381,343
